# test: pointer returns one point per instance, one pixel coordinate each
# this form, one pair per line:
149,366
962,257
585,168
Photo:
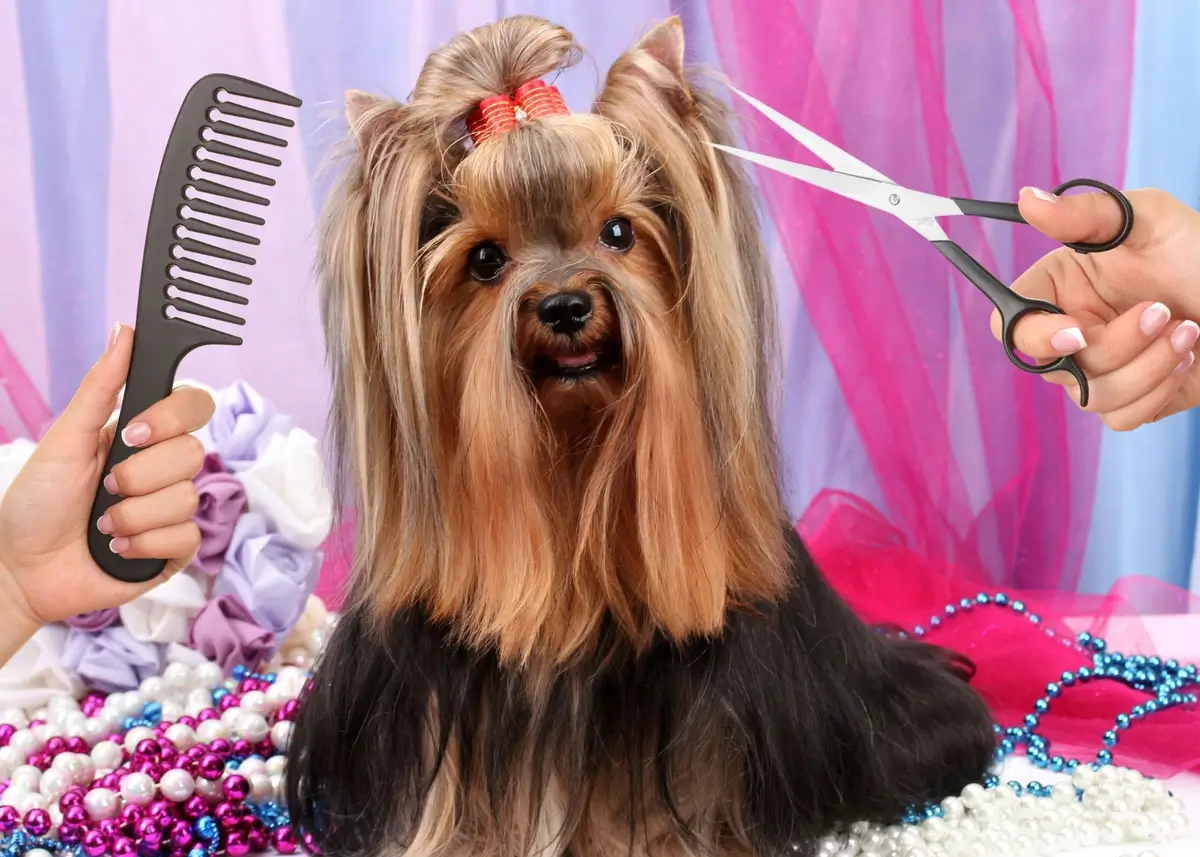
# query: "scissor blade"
839,159
914,207
867,191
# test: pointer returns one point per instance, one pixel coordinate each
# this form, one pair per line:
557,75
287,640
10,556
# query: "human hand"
1130,311
46,572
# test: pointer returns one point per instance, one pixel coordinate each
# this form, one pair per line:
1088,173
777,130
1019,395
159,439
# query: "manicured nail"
1154,319
118,545
1185,337
114,336
135,434
110,484
104,525
1068,341
1185,364
1043,195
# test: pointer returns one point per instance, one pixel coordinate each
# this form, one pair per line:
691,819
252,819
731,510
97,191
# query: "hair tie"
499,113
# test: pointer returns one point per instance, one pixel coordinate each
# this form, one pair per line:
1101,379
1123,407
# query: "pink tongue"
572,361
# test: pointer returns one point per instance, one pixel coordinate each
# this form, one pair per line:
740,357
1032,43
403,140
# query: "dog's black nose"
565,312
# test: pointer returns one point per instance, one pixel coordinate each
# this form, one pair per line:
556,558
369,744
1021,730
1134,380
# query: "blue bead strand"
1166,680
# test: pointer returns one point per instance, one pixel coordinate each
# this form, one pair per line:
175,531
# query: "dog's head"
551,339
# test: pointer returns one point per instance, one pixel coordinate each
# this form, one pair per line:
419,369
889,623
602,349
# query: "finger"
93,403
152,469
175,504
1044,336
1144,373
1090,217
1154,404
1120,341
185,410
178,542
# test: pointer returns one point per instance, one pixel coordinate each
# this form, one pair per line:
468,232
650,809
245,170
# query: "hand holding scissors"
855,180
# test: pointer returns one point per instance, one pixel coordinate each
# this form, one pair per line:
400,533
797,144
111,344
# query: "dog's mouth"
578,363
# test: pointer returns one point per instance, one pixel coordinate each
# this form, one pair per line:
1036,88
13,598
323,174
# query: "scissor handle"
1012,307
1009,211
1126,216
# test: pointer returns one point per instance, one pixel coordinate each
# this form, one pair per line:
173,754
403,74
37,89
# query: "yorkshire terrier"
580,621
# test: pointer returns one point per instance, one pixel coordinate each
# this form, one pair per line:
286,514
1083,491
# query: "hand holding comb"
183,219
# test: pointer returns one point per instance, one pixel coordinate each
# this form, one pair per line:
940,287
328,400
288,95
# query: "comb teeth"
214,170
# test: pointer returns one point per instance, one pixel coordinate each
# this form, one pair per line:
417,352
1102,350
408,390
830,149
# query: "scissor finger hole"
1126,215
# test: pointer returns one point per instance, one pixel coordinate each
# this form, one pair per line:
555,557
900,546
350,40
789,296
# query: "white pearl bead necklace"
1119,806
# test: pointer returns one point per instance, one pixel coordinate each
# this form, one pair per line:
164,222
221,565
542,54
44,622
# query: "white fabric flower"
315,616
35,673
286,486
12,458
164,614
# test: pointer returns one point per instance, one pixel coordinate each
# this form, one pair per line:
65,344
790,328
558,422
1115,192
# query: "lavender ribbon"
97,620
241,426
226,633
222,501
268,573
111,660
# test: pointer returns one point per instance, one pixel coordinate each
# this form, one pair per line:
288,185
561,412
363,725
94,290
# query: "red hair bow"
500,113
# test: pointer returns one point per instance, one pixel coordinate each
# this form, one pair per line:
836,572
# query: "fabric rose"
268,573
222,501
286,484
97,620
164,614
241,426
111,660
225,632
37,672
12,458
315,616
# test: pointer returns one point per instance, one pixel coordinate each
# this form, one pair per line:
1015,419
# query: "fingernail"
114,336
1154,319
1043,195
1185,337
104,525
118,545
135,434
1068,341
1185,364
110,484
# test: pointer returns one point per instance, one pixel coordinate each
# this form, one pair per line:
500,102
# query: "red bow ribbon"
500,113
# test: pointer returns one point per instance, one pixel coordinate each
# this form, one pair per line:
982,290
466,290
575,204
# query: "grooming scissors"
855,180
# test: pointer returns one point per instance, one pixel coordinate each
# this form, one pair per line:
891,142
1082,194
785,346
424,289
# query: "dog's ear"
664,45
654,64
366,114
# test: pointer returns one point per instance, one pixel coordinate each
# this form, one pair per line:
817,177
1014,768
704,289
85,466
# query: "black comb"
183,220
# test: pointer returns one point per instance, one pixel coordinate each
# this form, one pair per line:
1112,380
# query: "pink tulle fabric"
986,474
889,583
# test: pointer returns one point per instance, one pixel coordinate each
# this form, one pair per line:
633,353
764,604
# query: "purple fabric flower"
225,632
241,426
111,660
268,573
97,620
222,501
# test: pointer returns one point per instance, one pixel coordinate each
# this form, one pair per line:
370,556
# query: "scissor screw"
894,199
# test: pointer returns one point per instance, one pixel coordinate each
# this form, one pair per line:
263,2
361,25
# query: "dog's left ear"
653,65
664,45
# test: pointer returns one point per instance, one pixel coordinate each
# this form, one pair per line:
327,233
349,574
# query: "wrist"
17,622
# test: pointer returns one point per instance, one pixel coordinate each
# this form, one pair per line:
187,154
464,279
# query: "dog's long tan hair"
469,498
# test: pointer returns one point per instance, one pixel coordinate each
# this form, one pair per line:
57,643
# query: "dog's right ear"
366,114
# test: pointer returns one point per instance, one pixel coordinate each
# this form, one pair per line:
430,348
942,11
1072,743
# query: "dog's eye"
617,234
486,262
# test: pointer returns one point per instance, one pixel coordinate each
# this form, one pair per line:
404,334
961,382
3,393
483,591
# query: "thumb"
1091,217
93,403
